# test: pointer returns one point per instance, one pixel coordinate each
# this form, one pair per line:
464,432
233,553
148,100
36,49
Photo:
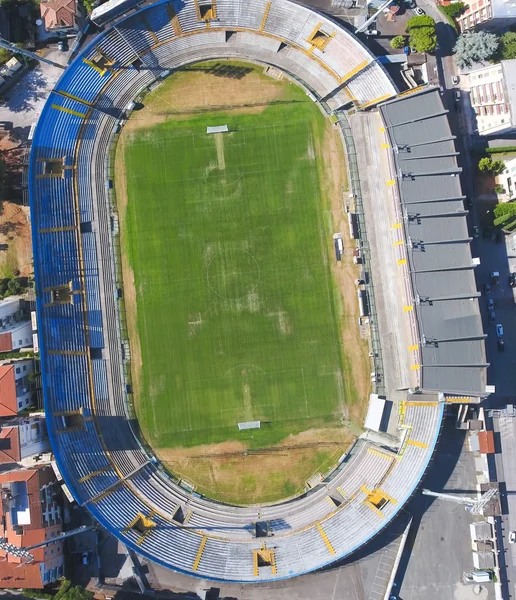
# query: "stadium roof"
440,262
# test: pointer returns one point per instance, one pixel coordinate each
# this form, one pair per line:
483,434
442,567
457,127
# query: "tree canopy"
420,21
475,46
454,9
421,30
398,42
488,165
507,45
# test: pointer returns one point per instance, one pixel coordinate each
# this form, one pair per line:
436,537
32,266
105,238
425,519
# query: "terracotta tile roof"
486,442
9,445
6,342
14,575
21,475
58,13
8,405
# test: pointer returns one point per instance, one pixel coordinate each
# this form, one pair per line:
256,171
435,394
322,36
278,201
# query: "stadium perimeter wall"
92,463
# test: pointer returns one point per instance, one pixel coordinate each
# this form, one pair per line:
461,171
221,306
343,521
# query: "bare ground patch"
230,472
355,351
15,240
191,91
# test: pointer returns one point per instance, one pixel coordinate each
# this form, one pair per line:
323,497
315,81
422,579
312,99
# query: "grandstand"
84,353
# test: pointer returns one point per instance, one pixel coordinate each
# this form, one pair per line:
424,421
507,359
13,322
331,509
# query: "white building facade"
492,92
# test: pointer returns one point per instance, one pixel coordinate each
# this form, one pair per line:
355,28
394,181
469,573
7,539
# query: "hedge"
501,150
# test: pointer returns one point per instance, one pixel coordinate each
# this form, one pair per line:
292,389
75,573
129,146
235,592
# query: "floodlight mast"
5,546
13,48
474,506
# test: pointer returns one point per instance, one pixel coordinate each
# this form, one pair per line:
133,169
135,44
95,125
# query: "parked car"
487,288
499,330
490,304
410,4
371,32
501,347
495,277
419,11
455,79
62,45
456,95
512,280
492,316
469,202
476,231
85,558
512,537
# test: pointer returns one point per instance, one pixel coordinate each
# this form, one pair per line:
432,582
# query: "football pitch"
228,236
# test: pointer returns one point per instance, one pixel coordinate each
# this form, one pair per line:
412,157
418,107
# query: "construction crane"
5,546
474,505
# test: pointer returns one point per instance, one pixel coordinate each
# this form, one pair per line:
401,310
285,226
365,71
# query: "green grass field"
229,239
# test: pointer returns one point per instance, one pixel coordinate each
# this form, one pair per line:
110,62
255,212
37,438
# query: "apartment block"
15,387
30,513
491,15
493,97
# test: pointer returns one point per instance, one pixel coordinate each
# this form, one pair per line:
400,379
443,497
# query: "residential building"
491,15
59,14
507,179
15,325
23,439
15,388
493,97
29,514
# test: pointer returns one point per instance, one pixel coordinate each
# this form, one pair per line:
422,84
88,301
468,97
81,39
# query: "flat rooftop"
453,359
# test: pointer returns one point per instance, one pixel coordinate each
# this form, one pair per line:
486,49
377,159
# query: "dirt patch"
356,365
221,159
230,472
15,240
200,88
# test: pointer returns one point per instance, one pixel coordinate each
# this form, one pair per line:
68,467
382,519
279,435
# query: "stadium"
436,356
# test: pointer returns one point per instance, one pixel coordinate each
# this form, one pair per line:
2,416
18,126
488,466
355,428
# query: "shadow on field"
223,70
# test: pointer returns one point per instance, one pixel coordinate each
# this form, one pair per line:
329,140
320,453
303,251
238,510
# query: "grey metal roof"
440,262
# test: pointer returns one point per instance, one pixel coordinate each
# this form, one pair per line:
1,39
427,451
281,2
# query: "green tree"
454,9
423,40
420,21
421,30
398,42
488,165
475,46
76,593
507,45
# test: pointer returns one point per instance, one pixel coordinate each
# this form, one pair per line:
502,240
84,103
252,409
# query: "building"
59,14
493,97
15,325
22,439
491,15
30,514
15,388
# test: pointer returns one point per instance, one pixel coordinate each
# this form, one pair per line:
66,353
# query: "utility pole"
473,505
